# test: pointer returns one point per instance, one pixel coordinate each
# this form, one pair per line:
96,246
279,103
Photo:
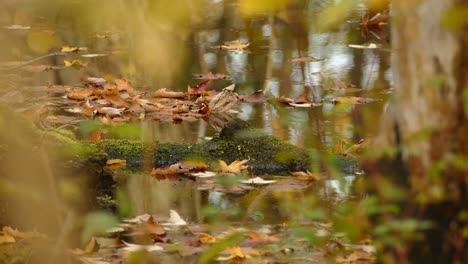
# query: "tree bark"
426,127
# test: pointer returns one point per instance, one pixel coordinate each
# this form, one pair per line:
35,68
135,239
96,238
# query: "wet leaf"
355,256
368,46
223,101
175,219
353,100
353,149
94,81
79,93
6,239
324,73
66,49
173,169
306,176
237,253
78,64
206,174
306,59
17,27
236,45
199,89
116,164
111,111
258,181
235,167
210,76
256,237
163,92
206,238
135,247
22,235
94,55
255,97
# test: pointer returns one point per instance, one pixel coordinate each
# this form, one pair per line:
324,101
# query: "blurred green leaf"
96,222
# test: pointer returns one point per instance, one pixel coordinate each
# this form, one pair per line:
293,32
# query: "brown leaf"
173,169
352,100
255,97
210,76
79,93
306,59
236,45
93,81
223,101
256,237
355,256
22,235
306,176
199,89
163,92
7,239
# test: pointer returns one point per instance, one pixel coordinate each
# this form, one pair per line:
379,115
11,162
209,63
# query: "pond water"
266,64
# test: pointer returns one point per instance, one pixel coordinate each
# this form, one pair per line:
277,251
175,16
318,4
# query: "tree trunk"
426,126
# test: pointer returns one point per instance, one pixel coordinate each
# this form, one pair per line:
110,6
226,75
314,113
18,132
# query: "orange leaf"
96,135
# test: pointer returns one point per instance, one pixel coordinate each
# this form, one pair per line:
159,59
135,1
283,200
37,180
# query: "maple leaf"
235,167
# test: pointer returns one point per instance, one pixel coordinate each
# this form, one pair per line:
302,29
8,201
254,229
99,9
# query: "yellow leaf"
72,49
235,167
234,253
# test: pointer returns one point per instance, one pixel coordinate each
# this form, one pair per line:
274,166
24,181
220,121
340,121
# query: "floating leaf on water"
135,247
163,92
235,167
199,88
206,174
353,100
235,45
175,219
223,101
210,76
255,97
324,73
258,181
306,59
94,55
306,176
368,46
17,27
66,49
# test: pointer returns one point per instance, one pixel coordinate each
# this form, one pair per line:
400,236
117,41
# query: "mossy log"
266,154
